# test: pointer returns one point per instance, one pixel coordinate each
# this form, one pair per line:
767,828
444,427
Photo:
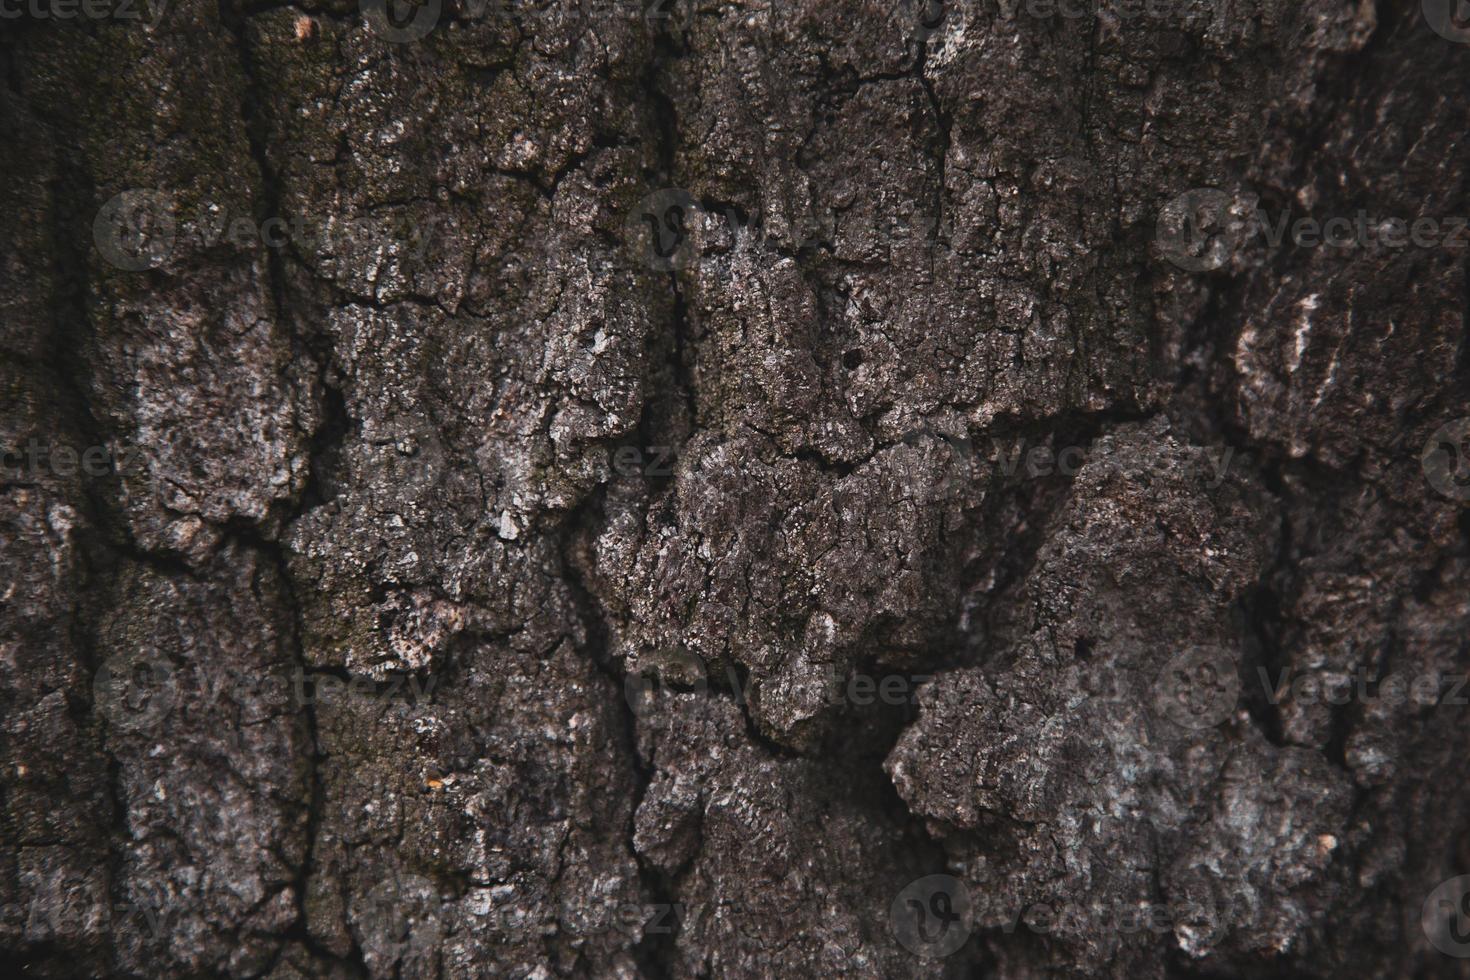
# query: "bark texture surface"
530,447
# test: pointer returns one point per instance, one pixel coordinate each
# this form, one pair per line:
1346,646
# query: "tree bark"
688,488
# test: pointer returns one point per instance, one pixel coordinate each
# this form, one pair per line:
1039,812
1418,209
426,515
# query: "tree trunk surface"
676,488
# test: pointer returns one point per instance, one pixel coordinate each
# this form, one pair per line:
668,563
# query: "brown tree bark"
686,488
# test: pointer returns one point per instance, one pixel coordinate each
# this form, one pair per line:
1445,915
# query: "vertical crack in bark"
256,125
71,195
654,950
942,125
